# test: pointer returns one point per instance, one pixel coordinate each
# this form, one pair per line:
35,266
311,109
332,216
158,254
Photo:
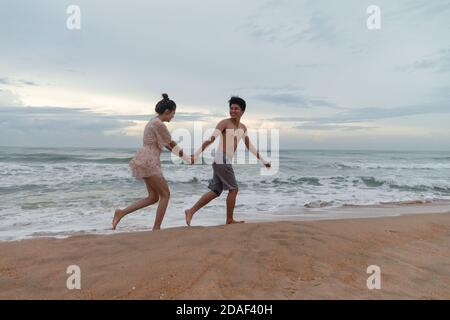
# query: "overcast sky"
309,68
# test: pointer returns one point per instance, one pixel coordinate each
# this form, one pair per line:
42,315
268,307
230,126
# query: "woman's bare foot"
234,221
117,217
188,213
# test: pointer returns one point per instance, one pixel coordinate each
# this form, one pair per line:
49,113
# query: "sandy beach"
272,260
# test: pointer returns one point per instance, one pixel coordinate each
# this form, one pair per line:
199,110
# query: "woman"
146,163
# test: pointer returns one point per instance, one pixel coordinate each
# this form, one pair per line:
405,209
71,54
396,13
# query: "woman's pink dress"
146,162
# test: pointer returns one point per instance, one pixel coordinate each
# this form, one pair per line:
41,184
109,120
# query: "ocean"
64,191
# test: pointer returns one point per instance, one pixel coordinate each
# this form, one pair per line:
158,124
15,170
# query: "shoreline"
324,259
344,212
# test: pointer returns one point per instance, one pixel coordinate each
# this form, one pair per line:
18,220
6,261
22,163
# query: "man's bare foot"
234,221
188,213
117,217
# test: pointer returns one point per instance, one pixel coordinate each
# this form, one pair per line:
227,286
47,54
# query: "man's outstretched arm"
249,145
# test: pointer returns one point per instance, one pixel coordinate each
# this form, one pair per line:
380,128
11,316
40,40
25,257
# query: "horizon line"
280,149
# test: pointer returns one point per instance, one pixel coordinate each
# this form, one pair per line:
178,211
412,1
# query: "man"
231,130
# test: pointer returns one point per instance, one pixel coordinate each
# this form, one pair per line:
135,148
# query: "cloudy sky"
311,69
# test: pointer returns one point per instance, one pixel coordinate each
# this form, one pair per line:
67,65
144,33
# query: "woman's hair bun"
165,104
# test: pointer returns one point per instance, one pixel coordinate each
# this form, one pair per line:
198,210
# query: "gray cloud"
440,62
180,116
195,116
369,114
294,100
57,120
287,95
5,81
443,92
312,65
289,31
264,33
285,99
20,82
322,103
320,29
8,98
85,113
308,126
263,89
420,7
28,83
71,126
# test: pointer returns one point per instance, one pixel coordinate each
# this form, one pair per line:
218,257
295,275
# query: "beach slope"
273,260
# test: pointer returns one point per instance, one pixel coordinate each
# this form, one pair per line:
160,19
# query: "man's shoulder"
230,122
224,122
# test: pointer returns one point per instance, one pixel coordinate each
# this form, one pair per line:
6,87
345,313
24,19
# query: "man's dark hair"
239,101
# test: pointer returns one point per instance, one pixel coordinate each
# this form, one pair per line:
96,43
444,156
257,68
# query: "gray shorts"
223,178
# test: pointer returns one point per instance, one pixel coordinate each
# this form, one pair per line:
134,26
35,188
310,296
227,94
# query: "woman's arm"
177,150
